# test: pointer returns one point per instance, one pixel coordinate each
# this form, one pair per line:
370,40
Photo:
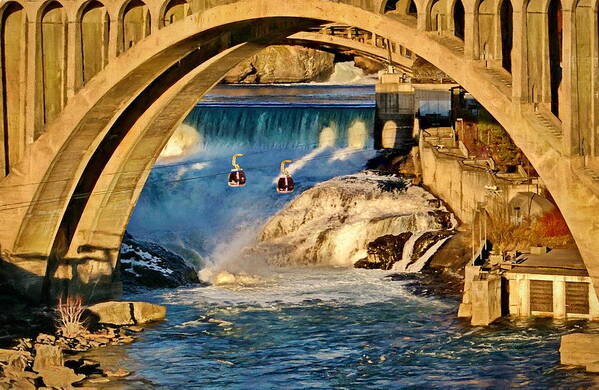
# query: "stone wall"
460,182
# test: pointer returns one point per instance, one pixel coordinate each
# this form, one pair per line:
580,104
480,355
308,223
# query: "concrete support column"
34,110
524,292
595,95
593,304
568,102
559,298
71,62
421,16
155,22
470,36
519,59
514,299
113,39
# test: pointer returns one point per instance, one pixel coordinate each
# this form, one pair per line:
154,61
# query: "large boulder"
368,65
60,377
384,252
47,357
579,349
283,64
125,313
147,264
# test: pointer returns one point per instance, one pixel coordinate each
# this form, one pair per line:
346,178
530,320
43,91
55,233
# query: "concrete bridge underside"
80,149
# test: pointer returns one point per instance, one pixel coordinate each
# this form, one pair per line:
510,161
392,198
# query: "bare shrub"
506,234
69,312
553,224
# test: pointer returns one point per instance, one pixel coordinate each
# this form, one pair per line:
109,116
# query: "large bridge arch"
228,33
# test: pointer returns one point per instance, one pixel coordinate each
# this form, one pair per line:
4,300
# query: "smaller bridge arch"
135,23
172,11
93,34
13,53
52,58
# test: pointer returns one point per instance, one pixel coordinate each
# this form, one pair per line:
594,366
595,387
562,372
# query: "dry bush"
507,235
548,230
70,312
553,224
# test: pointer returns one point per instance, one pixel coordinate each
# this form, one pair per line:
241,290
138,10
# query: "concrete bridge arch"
71,194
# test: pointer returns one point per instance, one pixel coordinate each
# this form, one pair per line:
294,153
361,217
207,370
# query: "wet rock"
150,265
384,252
47,357
61,377
99,380
427,240
147,312
7,355
126,313
134,329
23,384
333,222
43,338
443,218
119,373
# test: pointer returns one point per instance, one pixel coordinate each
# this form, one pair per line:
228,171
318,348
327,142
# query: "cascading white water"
333,223
349,73
188,207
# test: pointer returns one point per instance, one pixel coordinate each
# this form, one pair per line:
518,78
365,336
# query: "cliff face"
283,64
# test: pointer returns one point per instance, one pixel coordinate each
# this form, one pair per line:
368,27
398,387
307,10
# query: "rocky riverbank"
51,361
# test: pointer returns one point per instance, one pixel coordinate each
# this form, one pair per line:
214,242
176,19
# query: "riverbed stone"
126,313
7,355
23,384
579,349
148,312
118,373
47,357
61,377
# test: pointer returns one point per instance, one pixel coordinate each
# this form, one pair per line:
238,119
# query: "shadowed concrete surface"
90,98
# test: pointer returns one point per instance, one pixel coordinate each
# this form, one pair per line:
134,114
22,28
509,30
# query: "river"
309,327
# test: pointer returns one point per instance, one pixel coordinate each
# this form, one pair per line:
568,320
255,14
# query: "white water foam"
347,73
294,286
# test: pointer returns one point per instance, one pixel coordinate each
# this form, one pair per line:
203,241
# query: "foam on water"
294,286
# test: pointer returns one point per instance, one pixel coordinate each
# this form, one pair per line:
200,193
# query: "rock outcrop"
147,264
338,222
384,252
126,313
283,64
368,65
47,361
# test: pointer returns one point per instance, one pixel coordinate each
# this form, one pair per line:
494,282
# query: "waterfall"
335,222
186,205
